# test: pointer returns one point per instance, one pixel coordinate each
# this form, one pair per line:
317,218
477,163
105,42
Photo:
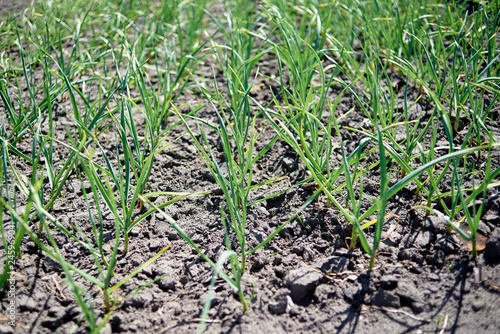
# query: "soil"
11,7
304,281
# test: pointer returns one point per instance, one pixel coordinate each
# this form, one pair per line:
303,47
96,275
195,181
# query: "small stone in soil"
424,237
418,307
301,282
289,164
172,235
478,305
352,278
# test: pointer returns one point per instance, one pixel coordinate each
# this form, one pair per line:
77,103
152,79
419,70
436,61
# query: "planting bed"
424,279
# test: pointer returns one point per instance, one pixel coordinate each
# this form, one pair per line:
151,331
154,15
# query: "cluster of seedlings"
117,72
